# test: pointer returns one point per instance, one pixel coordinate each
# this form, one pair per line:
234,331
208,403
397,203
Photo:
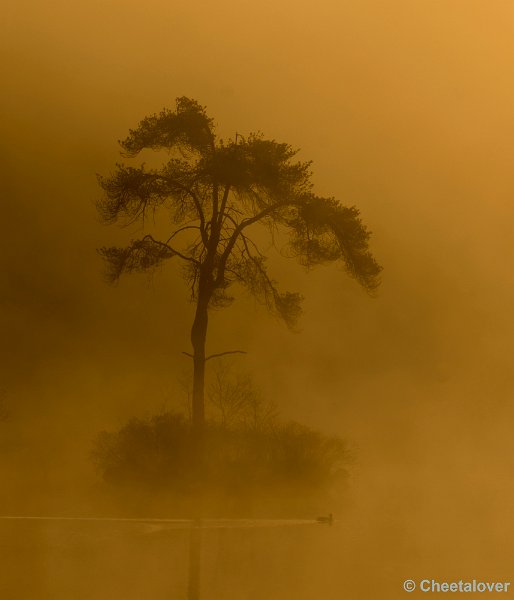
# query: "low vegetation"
246,446
156,452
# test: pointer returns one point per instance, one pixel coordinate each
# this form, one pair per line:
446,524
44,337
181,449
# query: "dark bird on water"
328,520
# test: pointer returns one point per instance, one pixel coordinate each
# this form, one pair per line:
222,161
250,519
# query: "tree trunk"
198,339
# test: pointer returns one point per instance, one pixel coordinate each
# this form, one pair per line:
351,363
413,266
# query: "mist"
405,110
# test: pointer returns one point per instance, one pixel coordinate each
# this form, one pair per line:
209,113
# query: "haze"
406,109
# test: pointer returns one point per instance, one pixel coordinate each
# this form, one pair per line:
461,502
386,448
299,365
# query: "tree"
215,192
237,402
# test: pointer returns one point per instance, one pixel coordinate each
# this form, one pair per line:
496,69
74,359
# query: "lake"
224,560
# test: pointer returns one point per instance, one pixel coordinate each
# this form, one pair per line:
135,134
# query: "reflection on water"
235,560
63,559
194,568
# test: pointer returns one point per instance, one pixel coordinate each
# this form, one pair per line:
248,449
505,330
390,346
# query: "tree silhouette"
215,193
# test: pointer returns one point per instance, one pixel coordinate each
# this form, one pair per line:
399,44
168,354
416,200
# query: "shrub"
157,453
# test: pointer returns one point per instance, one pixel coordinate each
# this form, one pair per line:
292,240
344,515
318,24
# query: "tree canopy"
214,191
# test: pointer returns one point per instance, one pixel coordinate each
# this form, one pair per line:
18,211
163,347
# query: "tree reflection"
194,569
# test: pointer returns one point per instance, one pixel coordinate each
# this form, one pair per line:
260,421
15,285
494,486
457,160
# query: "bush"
158,453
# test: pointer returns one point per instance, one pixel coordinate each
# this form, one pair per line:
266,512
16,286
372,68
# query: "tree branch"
218,354
246,223
171,249
181,229
225,353
199,210
246,240
223,204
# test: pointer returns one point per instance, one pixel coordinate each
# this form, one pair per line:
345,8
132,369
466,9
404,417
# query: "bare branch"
171,249
287,305
246,223
223,204
201,216
218,354
247,240
181,229
225,353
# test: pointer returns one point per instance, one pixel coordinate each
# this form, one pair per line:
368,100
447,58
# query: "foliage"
155,453
214,191
211,194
